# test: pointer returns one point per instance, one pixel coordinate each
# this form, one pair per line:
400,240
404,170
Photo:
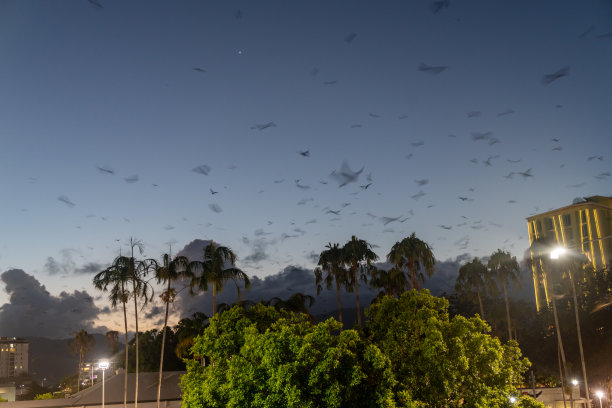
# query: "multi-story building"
13,357
585,227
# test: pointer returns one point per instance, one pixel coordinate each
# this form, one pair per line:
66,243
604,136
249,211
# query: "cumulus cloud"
65,264
33,311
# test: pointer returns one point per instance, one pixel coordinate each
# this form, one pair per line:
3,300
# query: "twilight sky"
275,127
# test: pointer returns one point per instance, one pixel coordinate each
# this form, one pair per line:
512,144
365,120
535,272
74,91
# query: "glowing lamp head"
104,364
512,400
574,382
557,252
599,394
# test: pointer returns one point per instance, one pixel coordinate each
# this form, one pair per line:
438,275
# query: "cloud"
90,267
33,311
258,248
66,264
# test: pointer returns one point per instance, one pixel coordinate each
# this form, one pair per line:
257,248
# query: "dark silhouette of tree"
186,331
215,269
506,269
114,279
474,278
392,282
82,344
169,271
357,256
330,263
112,340
413,254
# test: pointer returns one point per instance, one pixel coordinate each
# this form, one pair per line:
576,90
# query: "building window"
567,220
548,222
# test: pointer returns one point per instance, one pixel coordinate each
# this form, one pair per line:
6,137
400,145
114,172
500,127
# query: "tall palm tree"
82,344
473,278
115,279
138,269
357,256
216,268
330,262
169,271
413,254
393,282
298,303
506,269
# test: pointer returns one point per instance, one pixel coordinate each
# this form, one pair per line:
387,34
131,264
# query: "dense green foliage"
410,354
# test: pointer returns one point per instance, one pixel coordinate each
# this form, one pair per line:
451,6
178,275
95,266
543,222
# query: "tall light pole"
103,365
600,395
555,255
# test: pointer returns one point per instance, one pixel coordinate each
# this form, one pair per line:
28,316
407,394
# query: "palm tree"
357,255
505,268
330,261
187,330
141,289
473,278
214,270
297,303
82,344
169,271
393,282
413,254
115,279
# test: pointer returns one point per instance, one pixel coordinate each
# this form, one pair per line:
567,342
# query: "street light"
103,365
599,394
512,400
557,252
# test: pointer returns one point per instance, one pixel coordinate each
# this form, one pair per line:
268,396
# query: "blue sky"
114,88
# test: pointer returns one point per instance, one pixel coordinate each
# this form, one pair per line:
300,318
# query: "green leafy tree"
215,269
413,254
443,362
506,269
265,357
330,271
81,344
169,271
44,396
358,256
114,280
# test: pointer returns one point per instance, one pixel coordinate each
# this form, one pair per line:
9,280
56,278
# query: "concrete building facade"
583,227
13,357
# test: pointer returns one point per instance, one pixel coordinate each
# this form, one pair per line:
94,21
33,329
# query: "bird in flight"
345,175
525,174
506,112
213,192
132,179
434,70
365,186
305,153
349,38
96,4
105,169
215,208
64,199
550,78
263,126
436,6
198,69
202,169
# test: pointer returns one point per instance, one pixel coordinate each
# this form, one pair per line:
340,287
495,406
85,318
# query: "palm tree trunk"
584,376
79,372
214,285
482,316
560,342
339,301
136,339
357,297
161,358
507,309
125,374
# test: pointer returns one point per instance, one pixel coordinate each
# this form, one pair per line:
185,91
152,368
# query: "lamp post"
555,255
600,395
103,365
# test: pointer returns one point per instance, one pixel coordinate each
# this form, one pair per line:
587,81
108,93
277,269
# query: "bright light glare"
557,252
103,364
512,400
599,394
575,382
